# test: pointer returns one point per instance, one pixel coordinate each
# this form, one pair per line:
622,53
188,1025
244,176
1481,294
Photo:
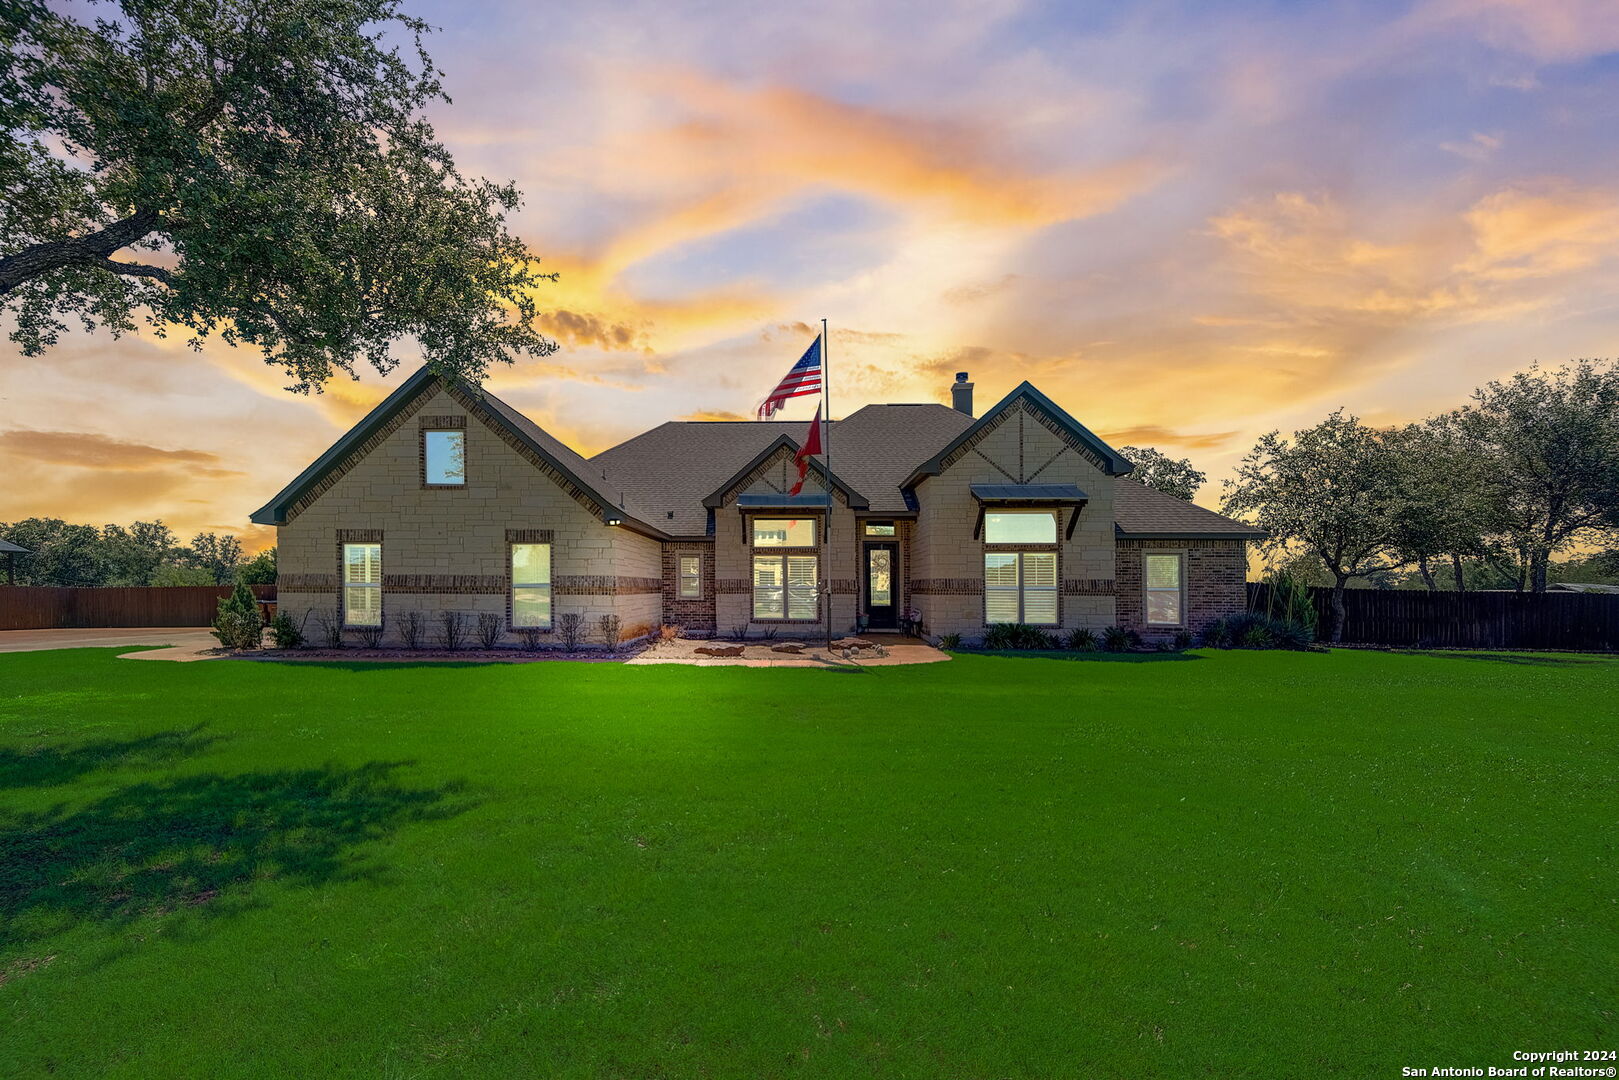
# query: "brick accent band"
530,536
359,536
1088,587
444,423
947,586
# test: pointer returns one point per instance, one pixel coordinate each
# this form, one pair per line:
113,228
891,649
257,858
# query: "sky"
1189,223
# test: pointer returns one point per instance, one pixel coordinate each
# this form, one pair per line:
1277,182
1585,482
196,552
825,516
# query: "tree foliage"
1549,442
1172,476
1333,491
145,553
262,171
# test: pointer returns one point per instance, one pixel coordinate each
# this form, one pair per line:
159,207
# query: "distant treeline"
144,553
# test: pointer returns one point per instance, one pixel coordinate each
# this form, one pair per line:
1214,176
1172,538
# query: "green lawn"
1210,865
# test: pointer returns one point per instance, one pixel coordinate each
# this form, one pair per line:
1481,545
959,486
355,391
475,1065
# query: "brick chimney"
961,394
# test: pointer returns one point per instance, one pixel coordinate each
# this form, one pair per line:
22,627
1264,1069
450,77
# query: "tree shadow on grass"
198,844
46,765
1513,658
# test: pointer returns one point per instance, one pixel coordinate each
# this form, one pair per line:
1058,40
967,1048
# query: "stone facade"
1216,572
946,575
448,547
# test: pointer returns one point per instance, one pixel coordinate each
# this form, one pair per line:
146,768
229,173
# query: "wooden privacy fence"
32,607
1472,620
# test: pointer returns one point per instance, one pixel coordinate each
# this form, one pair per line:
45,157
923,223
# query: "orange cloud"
1154,435
91,451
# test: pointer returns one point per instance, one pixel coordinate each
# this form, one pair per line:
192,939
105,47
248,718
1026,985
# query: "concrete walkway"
900,650
185,642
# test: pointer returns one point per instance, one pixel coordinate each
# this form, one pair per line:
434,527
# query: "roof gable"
755,468
1043,409
552,457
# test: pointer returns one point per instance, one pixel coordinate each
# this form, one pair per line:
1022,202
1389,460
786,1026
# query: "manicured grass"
1216,865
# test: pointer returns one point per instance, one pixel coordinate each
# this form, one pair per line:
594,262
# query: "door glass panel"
879,576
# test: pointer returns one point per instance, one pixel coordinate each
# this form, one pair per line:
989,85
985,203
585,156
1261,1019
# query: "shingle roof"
1144,512
672,468
7,547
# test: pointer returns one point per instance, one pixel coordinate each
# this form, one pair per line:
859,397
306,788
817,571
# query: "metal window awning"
1028,493
771,501
1048,495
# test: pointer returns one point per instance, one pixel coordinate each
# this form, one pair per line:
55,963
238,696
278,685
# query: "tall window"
1164,599
784,586
531,585
444,457
691,576
362,584
1020,586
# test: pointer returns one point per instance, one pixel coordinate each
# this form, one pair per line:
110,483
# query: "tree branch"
131,269
91,249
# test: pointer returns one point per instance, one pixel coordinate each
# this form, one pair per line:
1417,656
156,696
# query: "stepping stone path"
719,650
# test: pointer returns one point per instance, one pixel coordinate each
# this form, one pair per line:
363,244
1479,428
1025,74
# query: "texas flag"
812,446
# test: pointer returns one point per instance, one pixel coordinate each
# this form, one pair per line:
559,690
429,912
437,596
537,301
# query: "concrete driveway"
187,642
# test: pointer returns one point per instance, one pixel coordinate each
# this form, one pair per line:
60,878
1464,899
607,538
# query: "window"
783,532
1163,581
691,575
879,528
362,584
1020,587
444,457
531,585
784,586
1020,527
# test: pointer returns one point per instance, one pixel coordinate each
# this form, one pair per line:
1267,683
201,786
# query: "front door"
881,586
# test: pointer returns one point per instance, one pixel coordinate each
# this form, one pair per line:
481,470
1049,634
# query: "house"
447,498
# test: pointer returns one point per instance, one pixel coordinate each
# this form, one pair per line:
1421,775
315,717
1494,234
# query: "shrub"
284,632
1217,635
412,629
237,624
609,630
1081,639
1119,639
488,629
668,632
1183,640
571,629
950,642
1255,630
452,630
370,637
329,629
1017,636
529,637
1257,635
1289,602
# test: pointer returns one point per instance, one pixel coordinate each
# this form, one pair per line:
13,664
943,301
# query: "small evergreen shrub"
452,630
284,632
1119,639
237,624
488,630
1017,636
1183,640
949,642
1217,635
1082,639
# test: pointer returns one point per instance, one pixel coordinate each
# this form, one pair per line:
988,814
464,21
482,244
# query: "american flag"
802,379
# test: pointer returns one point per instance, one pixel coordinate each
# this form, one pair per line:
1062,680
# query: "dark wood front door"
882,586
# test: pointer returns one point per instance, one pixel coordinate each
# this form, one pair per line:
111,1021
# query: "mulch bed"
482,656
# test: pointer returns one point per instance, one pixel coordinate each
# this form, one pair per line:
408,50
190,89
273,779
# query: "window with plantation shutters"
784,586
362,584
1020,587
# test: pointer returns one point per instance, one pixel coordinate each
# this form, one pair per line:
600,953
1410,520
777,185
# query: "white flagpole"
826,452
